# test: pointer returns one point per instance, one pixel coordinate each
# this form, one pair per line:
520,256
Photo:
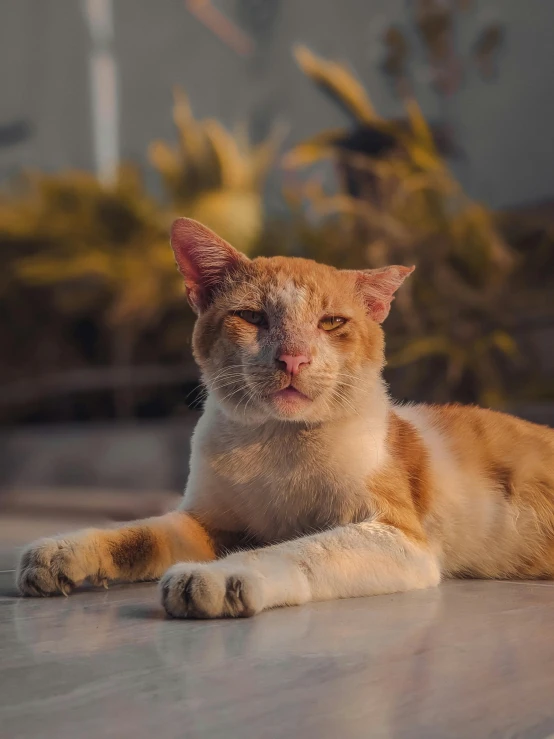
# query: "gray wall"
44,84
505,126
143,457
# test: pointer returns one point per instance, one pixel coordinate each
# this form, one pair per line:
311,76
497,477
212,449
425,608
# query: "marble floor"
469,659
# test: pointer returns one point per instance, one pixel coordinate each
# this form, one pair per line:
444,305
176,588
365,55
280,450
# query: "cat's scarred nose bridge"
293,363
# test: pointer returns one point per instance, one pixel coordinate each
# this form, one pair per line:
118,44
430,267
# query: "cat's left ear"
377,288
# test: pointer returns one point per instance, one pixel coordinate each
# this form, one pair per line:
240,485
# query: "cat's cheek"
242,340
374,345
238,331
205,337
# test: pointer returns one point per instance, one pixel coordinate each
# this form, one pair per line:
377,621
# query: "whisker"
236,381
342,399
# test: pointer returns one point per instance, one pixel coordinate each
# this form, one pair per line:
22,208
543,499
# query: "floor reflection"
472,655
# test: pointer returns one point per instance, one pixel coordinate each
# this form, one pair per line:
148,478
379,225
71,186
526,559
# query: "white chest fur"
282,480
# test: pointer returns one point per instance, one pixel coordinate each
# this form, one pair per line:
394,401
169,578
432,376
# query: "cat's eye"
255,317
330,323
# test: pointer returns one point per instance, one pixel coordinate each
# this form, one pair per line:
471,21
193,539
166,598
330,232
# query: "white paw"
191,590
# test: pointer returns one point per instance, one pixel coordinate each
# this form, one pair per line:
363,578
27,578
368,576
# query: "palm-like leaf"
337,81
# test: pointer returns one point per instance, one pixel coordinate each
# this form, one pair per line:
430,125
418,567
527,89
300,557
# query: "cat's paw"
56,565
191,590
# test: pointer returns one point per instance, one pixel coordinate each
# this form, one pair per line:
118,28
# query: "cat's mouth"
290,393
289,400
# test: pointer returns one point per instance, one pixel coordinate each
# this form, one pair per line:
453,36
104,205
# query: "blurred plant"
102,247
434,23
214,176
89,275
93,303
486,48
397,202
89,258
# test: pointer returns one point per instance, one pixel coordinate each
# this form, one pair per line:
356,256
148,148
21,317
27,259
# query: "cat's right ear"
203,259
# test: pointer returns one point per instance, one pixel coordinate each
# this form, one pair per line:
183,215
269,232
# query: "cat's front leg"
367,558
141,550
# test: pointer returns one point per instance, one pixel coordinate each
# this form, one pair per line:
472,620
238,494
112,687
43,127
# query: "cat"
307,482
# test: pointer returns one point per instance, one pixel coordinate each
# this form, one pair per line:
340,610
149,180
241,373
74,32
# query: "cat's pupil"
331,322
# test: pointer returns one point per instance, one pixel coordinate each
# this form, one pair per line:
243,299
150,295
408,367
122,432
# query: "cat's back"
494,485
470,435
493,437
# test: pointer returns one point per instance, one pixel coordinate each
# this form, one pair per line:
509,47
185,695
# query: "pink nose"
293,363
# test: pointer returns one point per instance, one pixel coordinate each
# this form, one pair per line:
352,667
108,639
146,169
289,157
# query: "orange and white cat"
306,481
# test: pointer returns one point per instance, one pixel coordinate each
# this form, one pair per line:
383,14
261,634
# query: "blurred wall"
44,92
504,125
141,457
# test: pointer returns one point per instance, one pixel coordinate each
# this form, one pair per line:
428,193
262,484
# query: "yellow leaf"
419,125
505,343
233,166
337,80
313,149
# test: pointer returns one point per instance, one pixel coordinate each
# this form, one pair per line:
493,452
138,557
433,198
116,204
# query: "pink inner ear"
203,259
378,286
377,309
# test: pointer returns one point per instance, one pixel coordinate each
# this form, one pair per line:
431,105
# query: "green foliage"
82,257
89,282
451,333
98,247
215,177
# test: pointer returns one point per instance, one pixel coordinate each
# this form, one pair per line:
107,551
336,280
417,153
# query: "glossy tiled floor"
469,659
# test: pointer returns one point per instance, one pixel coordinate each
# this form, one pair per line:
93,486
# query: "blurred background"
360,133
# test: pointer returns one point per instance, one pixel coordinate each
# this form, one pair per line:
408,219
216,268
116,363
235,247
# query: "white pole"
103,88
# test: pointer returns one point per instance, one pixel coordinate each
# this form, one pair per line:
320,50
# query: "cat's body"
486,507
304,466
477,484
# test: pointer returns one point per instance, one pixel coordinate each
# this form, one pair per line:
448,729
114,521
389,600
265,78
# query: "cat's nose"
293,362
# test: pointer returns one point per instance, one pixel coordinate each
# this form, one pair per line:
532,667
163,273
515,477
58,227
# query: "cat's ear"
203,259
377,288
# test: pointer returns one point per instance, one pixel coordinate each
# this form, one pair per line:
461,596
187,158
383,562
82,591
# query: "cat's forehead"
295,285
292,295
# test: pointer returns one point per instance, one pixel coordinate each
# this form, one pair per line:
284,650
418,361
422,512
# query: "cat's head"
283,338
